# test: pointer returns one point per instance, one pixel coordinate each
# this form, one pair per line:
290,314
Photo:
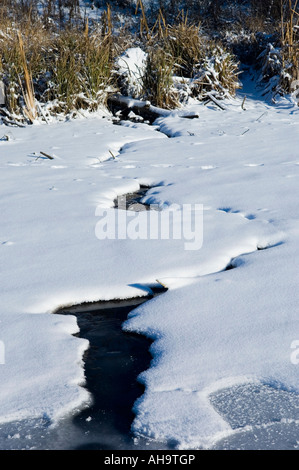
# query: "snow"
214,330
131,67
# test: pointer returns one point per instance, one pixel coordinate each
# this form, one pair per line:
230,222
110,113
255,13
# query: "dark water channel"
112,364
133,201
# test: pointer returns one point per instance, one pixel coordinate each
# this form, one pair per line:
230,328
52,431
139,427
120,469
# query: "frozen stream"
224,342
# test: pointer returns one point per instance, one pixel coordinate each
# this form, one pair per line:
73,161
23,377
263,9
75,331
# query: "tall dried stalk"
86,28
30,110
107,22
143,20
289,35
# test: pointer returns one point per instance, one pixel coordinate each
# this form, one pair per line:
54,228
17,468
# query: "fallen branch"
10,122
42,112
211,97
46,155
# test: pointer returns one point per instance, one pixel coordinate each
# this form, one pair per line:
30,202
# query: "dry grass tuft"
30,110
157,81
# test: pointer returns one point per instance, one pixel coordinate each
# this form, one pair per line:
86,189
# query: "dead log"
123,105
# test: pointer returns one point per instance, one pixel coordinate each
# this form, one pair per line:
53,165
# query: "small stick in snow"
161,283
112,154
261,116
243,104
190,116
46,155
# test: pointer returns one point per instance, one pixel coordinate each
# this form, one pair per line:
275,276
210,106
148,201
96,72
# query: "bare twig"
259,118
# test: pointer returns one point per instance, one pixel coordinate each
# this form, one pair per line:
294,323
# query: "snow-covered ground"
225,363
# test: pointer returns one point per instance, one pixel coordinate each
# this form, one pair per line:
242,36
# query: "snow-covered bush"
271,69
130,68
278,75
280,60
188,64
219,72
